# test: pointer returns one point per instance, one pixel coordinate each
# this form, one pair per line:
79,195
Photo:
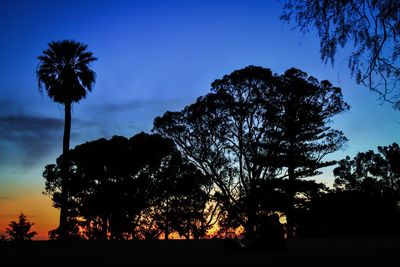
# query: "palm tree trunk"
63,227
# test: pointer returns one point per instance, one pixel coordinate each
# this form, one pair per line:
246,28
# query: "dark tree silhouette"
21,230
373,28
218,134
110,181
253,127
370,172
64,72
299,130
183,199
365,199
125,188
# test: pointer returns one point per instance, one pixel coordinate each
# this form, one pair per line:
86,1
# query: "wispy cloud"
28,138
26,124
137,104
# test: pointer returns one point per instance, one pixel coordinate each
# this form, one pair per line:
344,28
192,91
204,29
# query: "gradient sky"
153,56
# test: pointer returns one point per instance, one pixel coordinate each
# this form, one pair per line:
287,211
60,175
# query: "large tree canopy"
250,126
371,26
219,133
127,188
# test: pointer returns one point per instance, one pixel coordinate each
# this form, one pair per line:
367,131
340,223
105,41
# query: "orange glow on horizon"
38,210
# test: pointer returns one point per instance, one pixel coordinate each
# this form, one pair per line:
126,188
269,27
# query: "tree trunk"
104,228
290,211
166,231
196,234
291,169
251,214
63,227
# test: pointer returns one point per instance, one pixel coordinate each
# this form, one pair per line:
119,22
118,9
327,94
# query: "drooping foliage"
369,27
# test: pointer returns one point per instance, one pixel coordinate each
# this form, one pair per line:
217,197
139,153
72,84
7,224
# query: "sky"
153,56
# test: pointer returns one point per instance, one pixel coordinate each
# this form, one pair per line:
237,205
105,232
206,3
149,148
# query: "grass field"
299,252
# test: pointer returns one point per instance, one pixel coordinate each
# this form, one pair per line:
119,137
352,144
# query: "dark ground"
299,252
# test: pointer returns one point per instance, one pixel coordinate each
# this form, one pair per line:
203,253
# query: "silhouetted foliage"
218,133
182,197
21,230
254,127
228,226
374,179
65,74
300,137
365,201
350,213
127,188
373,28
370,172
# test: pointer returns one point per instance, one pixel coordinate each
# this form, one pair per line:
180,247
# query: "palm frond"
64,71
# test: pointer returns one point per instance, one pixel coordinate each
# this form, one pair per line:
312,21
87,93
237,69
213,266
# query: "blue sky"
153,56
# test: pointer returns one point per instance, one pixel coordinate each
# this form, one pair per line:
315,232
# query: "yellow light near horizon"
282,219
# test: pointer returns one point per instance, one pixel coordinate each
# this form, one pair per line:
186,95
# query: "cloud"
29,124
125,117
27,139
138,104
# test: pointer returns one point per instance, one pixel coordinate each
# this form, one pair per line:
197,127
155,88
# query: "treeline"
132,188
227,162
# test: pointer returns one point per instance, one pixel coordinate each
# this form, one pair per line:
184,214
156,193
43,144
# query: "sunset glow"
153,56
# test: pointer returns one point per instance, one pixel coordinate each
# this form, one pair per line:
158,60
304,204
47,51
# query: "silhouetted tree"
110,181
179,202
372,173
373,28
21,230
365,199
125,188
299,130
194,214
351,213
218,134
253,127
183,197
64,72
228,228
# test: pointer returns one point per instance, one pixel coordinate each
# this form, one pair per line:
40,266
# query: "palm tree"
65,74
